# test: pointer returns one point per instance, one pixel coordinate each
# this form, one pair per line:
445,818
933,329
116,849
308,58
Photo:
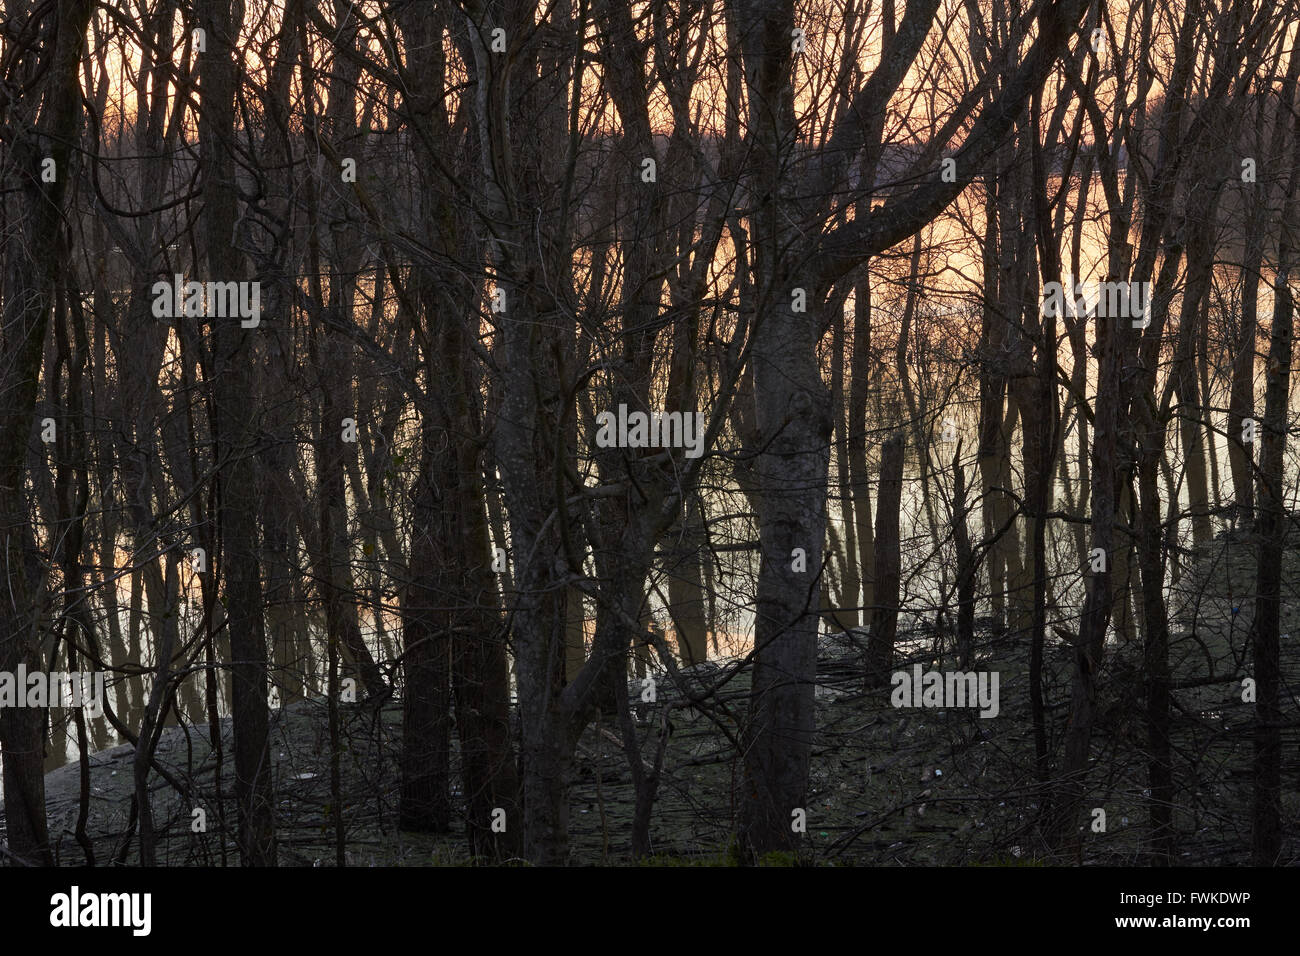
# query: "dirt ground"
889,786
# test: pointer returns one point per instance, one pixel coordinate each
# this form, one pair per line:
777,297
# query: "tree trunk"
966,566
1274,522
887,575
33,259
234,404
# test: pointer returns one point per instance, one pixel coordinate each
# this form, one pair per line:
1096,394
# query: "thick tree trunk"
32,260
792,418
234,401
686,586
481,684
425,798
793,422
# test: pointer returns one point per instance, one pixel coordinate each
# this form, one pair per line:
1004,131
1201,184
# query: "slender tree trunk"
1187,388
1241,403
856,439
1090,643
848,614
1156,651
884,619
1274,522
966,566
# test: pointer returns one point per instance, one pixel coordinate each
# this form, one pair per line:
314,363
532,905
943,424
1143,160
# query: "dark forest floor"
889,786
